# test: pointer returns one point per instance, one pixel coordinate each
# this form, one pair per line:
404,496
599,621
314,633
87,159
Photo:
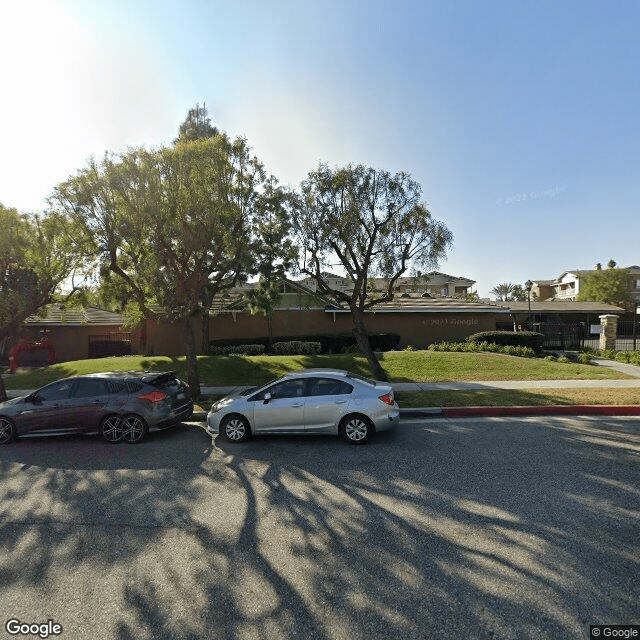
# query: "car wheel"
356,429
133,428
235,428
7,431
111,428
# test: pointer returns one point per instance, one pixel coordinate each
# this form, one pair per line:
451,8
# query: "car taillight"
153,396
387,398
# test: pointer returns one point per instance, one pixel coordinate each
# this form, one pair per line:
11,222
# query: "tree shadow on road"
491,529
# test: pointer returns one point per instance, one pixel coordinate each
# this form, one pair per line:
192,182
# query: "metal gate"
562,335
110,344
628,338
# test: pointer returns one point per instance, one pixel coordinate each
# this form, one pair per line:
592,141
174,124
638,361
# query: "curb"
573,410
488,412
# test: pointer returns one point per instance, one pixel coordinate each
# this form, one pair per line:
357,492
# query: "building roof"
562,306
59,315
413,304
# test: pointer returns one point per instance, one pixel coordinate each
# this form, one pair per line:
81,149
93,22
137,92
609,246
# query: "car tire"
134,428
7,431
356,429
235,428
111,428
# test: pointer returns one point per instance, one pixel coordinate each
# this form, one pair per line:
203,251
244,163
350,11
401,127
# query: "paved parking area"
516,528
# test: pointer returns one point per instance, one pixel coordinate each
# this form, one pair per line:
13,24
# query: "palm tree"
503,291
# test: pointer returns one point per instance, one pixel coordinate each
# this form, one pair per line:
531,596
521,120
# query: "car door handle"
297,405
341,401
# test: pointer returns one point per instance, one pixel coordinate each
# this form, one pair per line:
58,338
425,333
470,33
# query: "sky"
521,120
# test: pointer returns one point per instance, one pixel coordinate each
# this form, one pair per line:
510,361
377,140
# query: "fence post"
609,331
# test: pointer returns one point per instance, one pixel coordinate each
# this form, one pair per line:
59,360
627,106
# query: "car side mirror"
34,399
267,397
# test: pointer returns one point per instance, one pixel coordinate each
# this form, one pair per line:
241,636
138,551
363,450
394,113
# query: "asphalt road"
522,528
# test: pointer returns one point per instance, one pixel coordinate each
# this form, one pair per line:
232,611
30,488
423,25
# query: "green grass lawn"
420,366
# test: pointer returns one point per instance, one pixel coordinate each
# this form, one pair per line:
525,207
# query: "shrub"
296,348
351,348
564,360
477,347
333,343
531,339
584,358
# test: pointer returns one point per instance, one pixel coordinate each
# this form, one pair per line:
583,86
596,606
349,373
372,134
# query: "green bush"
296,348
584,358
351,348
477,347
239,349
333,343
628,357
530,339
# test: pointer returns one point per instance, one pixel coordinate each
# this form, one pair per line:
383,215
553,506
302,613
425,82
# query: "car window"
285,389
88,387
116,387
328,387
57,391
289,389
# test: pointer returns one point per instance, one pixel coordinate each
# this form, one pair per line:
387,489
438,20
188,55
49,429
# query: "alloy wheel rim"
112,429
5,430
235,429
356,430
132,429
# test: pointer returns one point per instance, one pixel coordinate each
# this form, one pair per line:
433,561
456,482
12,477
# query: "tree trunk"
206,349
269,333
3,393
362,337
193,379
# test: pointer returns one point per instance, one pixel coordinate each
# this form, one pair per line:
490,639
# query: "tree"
273,251
503,291
173,224
197,126
609,286
520,294
37,253
373,224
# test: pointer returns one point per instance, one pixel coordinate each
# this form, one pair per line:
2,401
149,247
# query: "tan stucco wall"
71,342
417,329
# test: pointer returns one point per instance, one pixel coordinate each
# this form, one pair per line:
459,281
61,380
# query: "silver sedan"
308,401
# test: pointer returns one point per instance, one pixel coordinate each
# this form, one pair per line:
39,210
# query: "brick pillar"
609,331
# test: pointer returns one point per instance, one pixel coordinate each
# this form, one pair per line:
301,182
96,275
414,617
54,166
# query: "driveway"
478,528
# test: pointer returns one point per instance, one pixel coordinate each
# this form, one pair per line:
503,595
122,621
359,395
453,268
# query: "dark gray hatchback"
118,405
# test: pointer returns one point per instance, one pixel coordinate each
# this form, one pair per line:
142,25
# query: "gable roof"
413,304
59,315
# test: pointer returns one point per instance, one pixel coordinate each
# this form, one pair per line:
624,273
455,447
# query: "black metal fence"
110,344
576,335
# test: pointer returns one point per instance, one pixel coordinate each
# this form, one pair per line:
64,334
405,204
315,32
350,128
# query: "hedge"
531,339
334,343
296,348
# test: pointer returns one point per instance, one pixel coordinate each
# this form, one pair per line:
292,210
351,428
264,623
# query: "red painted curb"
577,409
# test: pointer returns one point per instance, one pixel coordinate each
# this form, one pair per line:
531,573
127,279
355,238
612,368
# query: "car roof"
314,372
